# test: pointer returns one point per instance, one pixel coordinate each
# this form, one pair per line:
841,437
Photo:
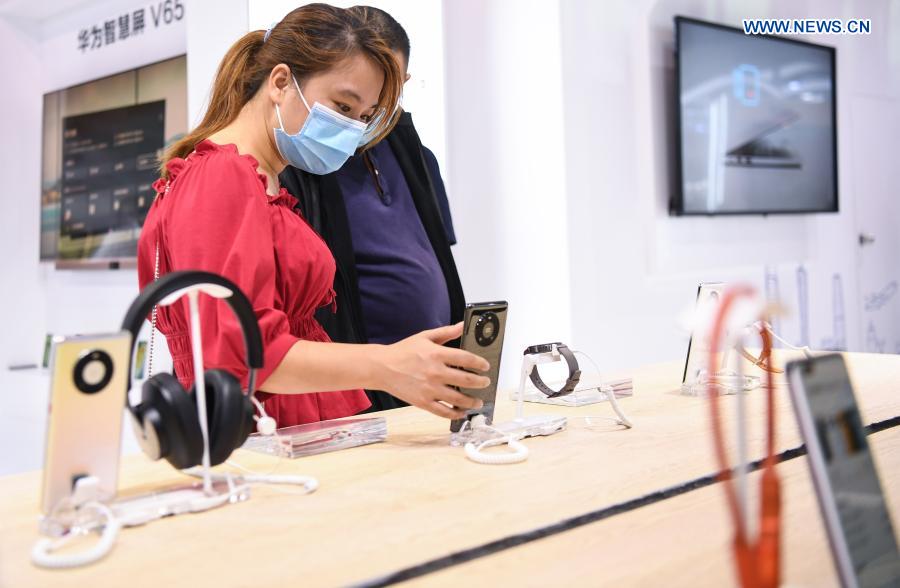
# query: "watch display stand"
584,393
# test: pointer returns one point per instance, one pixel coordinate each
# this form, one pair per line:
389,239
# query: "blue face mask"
324,143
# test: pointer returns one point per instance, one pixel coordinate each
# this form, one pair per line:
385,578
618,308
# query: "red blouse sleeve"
218,221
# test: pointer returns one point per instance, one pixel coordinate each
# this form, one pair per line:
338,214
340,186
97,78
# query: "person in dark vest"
386,218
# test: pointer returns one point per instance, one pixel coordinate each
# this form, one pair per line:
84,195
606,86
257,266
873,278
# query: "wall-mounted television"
101,146
755,123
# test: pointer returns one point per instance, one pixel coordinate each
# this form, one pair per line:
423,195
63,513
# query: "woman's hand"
418,370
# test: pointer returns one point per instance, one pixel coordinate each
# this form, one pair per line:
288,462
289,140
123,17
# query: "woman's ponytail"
310,40
231,90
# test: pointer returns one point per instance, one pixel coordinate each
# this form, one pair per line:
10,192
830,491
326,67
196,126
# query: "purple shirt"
401,286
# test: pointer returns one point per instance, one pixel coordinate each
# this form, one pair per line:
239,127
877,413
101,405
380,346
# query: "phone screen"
858,522
483,327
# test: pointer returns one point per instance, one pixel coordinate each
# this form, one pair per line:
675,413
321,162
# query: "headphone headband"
172,282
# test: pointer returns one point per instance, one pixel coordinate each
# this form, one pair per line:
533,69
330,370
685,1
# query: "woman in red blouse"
220,208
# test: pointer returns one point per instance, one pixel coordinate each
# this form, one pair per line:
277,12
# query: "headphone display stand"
170,424
214,490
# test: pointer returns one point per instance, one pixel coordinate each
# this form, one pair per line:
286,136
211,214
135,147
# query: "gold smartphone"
88,387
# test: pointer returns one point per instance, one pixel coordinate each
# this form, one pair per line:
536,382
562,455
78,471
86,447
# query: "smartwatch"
574,372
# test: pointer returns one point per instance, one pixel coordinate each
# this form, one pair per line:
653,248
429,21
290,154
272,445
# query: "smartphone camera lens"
93,371
486,329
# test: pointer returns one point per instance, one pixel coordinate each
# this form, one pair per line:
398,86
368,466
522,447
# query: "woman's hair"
385,25
310,40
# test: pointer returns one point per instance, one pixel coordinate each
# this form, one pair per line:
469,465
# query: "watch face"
542,348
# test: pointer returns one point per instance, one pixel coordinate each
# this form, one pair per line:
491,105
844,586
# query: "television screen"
102,142
756,123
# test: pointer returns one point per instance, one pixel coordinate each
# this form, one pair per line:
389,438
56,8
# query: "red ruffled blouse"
217,217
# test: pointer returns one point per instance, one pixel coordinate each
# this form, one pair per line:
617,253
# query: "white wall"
506,165
624,269
619,181
22,297
212,27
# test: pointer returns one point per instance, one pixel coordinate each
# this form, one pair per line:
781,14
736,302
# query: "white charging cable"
804,348
267,427
309,483
88,514
42,553
475,451
611,396
264,423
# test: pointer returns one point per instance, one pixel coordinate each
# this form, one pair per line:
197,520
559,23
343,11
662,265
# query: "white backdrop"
619,183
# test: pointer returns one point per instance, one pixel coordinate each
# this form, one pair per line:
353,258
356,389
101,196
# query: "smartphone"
88,386
483,326
849,492
708,296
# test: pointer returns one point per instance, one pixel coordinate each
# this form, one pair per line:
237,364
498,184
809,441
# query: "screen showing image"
757,123
140,359
101,146
109,163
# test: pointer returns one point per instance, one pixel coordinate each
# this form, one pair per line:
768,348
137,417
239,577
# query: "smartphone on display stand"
843,471
708,296
88,386
484,324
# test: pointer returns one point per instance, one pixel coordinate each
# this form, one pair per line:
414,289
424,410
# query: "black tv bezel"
676,202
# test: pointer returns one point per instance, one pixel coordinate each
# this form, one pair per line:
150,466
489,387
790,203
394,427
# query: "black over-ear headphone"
166,419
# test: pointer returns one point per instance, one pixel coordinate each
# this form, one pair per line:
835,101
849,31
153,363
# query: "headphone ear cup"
230,414
148,427
174,417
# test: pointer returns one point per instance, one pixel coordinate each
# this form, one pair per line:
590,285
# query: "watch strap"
574,373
